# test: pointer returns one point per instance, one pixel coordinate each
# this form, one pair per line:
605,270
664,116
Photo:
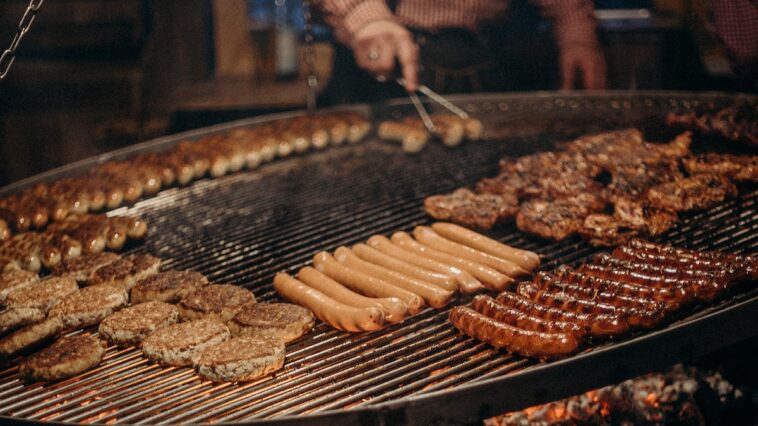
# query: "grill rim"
491,397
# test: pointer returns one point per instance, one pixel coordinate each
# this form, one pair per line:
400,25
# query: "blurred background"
96,75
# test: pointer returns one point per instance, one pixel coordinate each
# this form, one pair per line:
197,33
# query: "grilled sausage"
597,325
8,264
411,137
428,237
489,277
393,308
640,313
432,295
500,335
22,254
5,230
366,284
672,297
525,259
332,312
466,282
17,221
372,255
488,306
736,272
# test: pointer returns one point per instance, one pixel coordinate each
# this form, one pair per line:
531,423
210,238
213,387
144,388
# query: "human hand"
589,61
379,44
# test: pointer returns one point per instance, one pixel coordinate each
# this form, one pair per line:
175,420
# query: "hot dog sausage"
372,255
332,312
489,277
367,285
432,239
525,259
500,335
318,281
432,295
466,282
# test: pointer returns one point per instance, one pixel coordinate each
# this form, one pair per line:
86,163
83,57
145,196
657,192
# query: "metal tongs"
431,94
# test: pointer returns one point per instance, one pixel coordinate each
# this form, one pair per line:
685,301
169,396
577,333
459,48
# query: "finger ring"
373,55
381,78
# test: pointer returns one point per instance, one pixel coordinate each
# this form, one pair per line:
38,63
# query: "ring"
373,55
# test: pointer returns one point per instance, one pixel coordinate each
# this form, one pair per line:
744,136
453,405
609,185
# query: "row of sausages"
364,287
637,286
69,238
113,183
413,135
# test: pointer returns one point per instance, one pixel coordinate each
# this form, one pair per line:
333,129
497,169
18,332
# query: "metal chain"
310,58
9,55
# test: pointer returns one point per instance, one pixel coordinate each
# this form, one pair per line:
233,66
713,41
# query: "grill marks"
636,287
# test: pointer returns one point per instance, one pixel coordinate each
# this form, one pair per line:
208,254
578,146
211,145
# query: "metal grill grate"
244,228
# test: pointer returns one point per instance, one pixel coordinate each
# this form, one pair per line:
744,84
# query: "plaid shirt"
574,19
736,23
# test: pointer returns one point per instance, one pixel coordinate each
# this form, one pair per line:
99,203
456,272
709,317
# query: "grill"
243,228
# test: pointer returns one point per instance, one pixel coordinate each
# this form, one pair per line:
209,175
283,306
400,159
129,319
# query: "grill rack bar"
254,224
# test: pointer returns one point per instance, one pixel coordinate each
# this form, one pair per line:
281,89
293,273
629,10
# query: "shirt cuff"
363,14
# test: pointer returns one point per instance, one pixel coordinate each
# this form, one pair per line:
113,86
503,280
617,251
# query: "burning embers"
684,395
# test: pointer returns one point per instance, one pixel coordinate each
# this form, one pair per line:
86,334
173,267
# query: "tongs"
431,94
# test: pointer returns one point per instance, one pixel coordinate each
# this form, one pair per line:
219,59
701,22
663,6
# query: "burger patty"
13,318
479,210
30,336
90,305
177,344
131,325
67,357
282,321
82,268
697,192
240,359
42,295
14,280
127,271
169,286
220,302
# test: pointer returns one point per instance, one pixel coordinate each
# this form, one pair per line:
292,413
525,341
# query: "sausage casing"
372,255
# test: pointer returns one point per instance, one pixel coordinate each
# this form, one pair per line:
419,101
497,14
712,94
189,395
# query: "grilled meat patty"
219,302
13,280
131,325
30,336
13,318
557,219
282,321
633,181
90,305
739,168
127,271
605,230
697,192
42,295
651,221
168,286
67,357
83,267
736,122
240,359
177,344
478,210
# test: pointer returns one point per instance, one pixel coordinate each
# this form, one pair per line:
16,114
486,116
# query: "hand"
376,47
587,60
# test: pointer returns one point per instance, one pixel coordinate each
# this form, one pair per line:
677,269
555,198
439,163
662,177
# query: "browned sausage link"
91,241
488,306
516,340
705,284
734,272
5,230
69,247
7,264
18,221
640,313
691,254
38,216
32,242
601,326
672,297
564,301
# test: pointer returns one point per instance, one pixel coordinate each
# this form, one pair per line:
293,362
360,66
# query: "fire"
652,399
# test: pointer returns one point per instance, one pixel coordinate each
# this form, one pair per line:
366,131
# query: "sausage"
695,289
639,312
486,305
450,132
69,247
690,254
372,255
34,243
5,230
412,138
8,264
466,282
489,277
432,295
428,237
563,301
390,306
366,284
18,221
332,312
601,326
27,259
525,259
136,227
500,335
673,298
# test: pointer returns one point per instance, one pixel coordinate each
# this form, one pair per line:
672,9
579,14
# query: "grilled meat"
739,168
557,219
560,161
649,220
697,192
540,183
627,147
736,122
605,230
635,180
478,210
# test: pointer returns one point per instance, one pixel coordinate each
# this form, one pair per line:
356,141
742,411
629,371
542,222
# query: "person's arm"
576,35
369,28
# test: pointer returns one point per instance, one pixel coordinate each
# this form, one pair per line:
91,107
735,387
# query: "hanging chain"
9,55
310,58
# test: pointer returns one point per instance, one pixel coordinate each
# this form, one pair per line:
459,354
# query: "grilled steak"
557,219
605,230
559,161
696,192
641,216
736,122
635,180
478,210
626,147
739,168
